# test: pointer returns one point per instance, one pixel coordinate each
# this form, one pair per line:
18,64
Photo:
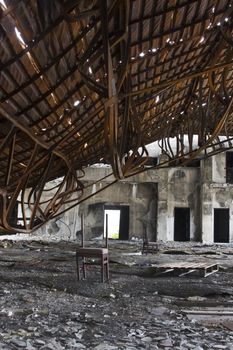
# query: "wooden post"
106,237
82,230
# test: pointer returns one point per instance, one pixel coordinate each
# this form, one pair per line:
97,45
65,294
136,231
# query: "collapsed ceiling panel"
84,82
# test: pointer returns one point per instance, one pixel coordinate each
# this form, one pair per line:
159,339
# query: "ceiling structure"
91,81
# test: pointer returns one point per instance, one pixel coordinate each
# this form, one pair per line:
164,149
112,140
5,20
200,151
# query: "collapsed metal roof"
93,81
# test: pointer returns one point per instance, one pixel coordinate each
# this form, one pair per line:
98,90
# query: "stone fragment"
19,343
126,295
40,342
160,338
159,311
166,343
105,346
52,345
146,339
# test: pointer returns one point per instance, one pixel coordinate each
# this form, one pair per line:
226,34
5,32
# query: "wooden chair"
86,252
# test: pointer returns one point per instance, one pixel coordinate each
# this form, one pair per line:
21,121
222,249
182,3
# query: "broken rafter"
83,81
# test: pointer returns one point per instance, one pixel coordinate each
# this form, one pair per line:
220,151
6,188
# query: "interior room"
116,174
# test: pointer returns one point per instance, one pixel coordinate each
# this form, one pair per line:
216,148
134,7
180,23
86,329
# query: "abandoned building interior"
116,174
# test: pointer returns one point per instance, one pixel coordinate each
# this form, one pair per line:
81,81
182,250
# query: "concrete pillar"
162,211
206,202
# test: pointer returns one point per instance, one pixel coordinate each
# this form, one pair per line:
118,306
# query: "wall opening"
182,224
118,221
221,225
113,223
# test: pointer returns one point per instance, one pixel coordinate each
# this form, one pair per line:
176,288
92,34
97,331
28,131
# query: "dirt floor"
42,306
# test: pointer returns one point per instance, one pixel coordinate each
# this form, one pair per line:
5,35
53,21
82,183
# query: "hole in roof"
157,99
142,54
218,24
202,39
90,70
76,103
2,2
19,36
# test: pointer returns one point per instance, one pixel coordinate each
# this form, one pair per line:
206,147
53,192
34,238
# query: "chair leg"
107,270
78,268
102,269
84,268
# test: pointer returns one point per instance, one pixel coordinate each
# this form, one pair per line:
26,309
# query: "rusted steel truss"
92,81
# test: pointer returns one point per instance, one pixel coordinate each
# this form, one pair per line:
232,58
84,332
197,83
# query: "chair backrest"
83,231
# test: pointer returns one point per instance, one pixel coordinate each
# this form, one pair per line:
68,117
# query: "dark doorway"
118,221
124,223
182,224
221,225
229,167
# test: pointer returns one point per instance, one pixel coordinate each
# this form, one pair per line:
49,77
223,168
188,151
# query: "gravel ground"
42,306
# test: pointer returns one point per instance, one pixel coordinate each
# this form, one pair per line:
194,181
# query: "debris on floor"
44,307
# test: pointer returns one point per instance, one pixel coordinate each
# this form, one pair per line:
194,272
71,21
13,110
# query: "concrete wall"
179,188
141,199
152,197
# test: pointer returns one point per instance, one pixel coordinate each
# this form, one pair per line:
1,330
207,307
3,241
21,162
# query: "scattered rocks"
42,307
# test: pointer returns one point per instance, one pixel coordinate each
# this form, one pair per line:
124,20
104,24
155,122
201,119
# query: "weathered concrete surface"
43,307
215,194
152,197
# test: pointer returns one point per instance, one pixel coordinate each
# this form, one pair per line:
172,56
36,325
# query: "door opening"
113,223
182,224
118,221
221,225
